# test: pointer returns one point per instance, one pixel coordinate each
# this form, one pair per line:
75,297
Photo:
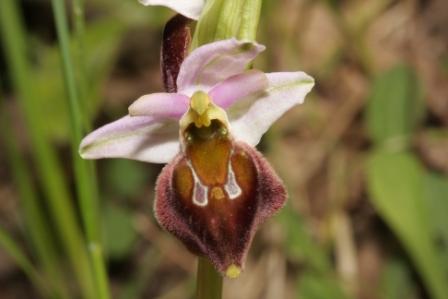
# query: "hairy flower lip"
227,253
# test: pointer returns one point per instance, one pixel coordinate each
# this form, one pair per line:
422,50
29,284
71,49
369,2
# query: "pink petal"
251,118
189,8
140,138
215,62
238,87
171,105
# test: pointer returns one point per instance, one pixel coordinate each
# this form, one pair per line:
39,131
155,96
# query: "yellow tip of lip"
233,271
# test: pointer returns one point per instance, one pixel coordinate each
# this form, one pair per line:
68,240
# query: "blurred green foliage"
396,281
101,44
396,182
317,286
39,84
395,107
125,178
119,232
406,194
396,179
299,245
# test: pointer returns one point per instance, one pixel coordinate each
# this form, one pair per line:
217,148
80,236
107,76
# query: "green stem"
209,282
84,173
79,50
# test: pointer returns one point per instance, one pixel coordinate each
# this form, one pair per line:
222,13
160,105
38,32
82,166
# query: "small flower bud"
175,43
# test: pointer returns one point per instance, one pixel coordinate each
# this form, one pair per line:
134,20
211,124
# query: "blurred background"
365,159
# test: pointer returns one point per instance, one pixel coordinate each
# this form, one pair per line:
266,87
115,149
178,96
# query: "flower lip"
219,227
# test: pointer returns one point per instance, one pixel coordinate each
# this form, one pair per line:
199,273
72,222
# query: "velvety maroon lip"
224,227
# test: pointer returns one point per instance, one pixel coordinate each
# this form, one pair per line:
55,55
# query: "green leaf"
436,188
396,187
395,106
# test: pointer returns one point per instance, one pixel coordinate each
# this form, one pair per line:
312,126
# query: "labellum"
217,191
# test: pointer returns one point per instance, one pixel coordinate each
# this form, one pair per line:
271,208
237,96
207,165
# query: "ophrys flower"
217,188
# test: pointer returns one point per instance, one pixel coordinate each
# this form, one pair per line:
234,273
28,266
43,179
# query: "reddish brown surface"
176,40
222,229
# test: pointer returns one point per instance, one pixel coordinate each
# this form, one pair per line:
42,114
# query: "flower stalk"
208,281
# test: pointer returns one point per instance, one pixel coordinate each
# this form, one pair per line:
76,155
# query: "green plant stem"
79,50
209,282
85,187
49,170
85,179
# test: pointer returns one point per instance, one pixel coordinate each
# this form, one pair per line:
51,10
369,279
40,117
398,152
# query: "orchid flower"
217,189
190,8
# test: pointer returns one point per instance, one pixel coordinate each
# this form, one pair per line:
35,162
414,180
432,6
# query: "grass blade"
85,180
